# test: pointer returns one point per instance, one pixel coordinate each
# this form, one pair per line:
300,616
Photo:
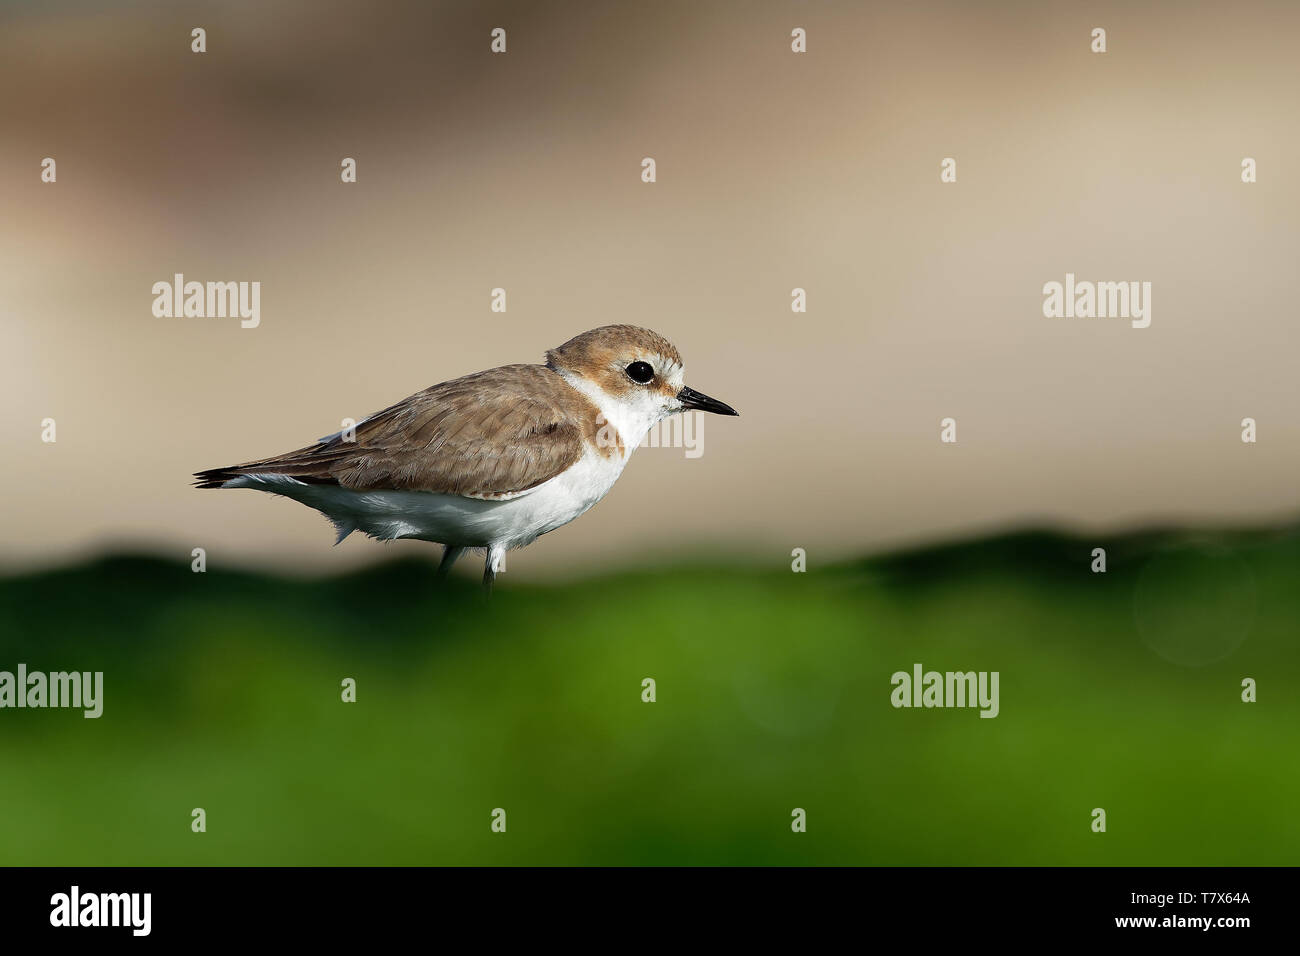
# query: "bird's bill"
690,398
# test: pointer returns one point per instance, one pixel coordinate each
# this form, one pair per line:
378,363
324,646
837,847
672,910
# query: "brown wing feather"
489,435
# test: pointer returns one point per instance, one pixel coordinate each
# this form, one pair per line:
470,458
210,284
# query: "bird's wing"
494,435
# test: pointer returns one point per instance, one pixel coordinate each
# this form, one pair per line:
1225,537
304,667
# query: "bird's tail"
216,477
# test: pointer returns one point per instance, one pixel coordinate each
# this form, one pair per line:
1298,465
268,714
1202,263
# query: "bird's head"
634,375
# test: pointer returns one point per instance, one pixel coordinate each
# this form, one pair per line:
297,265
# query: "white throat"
631,419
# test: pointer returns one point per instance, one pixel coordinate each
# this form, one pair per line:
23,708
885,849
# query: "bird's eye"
640,372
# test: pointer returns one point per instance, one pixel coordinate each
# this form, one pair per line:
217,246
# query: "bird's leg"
450,553
496,562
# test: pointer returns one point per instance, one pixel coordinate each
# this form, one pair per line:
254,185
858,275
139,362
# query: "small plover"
491,460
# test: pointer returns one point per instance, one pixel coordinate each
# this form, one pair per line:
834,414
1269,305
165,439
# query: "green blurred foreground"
1119,690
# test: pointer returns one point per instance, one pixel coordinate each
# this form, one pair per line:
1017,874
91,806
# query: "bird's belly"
467,522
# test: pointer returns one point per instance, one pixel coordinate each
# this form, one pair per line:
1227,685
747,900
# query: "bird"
491,460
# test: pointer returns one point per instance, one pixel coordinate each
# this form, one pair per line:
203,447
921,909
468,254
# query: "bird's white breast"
453,519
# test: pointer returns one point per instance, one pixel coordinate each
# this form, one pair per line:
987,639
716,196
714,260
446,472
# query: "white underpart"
473,522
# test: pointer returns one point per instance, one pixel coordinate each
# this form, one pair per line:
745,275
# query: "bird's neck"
628,422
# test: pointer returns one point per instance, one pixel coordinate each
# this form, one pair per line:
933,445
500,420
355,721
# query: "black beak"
690,398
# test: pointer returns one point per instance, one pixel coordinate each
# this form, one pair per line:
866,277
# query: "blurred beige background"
775,170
